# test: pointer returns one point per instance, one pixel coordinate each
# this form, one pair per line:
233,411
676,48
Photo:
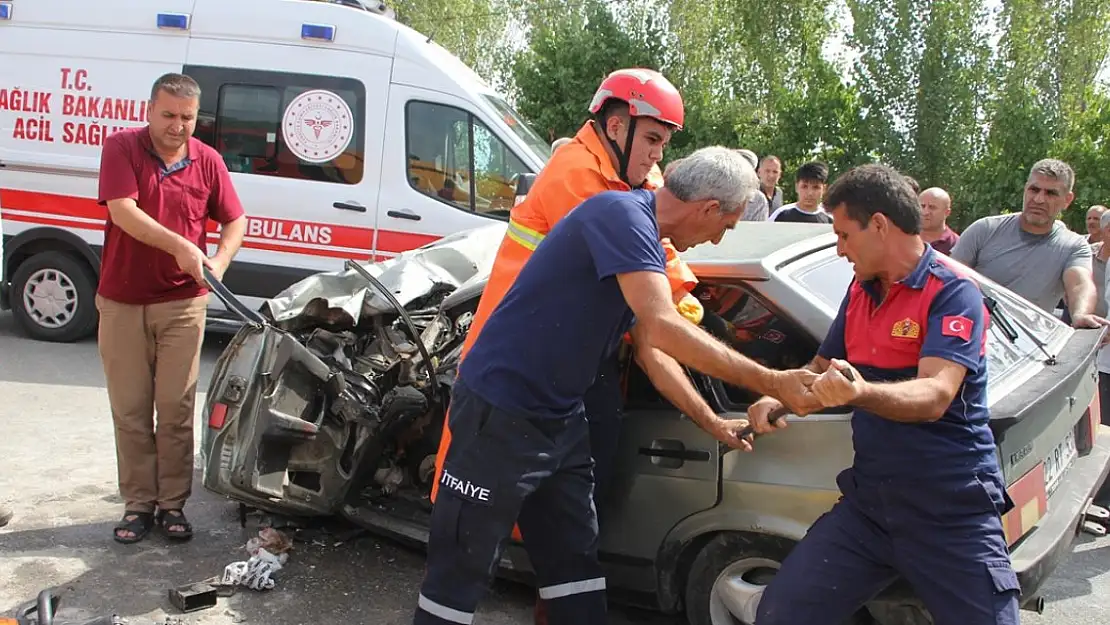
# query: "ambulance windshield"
513,120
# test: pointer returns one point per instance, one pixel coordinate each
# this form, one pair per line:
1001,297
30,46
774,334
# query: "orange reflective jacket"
576,172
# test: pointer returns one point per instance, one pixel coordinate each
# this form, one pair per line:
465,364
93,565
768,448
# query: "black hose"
350,264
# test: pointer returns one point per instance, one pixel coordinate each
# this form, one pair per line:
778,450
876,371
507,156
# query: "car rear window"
827,276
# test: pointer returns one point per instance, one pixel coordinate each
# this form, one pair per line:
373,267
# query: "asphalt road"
57,470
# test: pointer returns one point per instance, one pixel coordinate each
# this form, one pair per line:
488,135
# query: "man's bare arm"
817,365
921,400
231,239
661,326
670,379
134,221
1080,292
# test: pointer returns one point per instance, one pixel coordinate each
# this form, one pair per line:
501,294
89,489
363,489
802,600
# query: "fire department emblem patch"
906,329
317,126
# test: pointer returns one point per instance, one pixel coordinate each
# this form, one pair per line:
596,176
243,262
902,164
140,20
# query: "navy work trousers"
946,541
604,405
504,467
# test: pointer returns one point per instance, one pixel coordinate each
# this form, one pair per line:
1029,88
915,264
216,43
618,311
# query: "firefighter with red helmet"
634,113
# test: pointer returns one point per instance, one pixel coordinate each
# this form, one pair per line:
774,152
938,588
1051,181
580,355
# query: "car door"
443,170
302,140
667,469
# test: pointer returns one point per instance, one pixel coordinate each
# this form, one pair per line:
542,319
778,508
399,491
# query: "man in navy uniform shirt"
924,497
520,440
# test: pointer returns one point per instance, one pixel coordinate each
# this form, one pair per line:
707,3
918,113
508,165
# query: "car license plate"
1058,462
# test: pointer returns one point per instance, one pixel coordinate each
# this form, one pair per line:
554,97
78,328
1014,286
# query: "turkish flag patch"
956,325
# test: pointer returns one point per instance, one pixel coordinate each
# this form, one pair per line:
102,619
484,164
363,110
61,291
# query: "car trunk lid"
1043,425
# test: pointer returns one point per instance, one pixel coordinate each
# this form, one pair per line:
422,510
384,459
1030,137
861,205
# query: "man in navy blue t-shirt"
925,495
520,447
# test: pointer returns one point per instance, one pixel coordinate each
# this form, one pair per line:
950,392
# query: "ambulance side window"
267,124
455,158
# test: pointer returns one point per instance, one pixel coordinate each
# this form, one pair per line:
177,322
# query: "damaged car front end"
331,401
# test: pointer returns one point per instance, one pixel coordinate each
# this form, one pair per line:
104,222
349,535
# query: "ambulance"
348,135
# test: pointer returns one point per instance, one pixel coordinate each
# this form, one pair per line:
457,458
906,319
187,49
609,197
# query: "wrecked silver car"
330,401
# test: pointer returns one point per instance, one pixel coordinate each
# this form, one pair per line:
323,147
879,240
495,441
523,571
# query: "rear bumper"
1038,555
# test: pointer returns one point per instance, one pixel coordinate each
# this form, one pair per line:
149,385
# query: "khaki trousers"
151,355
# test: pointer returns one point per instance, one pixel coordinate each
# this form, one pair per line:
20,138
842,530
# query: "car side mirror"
523,186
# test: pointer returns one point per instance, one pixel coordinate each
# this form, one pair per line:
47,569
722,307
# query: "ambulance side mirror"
523,186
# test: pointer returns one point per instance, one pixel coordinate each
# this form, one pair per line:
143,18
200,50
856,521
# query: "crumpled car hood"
344,298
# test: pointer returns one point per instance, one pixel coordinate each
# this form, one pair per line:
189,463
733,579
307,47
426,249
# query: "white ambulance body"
348,135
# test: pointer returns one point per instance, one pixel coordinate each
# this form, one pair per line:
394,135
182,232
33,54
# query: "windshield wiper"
1007,326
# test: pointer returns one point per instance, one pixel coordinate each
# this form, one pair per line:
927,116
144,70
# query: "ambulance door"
443,170
302,139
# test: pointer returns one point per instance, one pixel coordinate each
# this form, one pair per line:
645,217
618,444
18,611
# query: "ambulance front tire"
738,564
73,279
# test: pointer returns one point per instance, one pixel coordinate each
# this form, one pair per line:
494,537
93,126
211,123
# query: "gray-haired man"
520,448
1034,254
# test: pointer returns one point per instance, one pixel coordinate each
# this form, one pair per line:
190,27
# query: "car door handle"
404,215
350,206
696,455
674,450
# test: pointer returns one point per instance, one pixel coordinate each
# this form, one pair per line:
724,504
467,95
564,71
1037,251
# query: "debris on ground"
271,540
193,597
269,552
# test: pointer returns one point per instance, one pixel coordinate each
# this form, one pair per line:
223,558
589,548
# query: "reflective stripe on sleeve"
444,612
572,588
524,235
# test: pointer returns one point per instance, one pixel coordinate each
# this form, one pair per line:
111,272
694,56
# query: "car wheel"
727,579
53,297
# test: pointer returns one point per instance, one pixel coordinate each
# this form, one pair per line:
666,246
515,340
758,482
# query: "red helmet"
647,93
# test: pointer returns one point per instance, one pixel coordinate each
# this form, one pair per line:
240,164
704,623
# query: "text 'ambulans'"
288,231
38,111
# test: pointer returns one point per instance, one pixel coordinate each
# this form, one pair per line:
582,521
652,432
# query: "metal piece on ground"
42,610
193,597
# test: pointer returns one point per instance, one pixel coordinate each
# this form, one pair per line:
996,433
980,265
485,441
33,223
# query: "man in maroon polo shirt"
936,206
161,186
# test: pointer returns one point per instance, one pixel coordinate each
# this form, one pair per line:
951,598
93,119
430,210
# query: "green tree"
922,74
476,31
569,52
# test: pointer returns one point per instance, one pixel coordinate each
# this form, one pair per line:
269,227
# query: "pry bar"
772,417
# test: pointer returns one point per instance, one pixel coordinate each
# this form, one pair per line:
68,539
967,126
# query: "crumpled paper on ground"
271,540
268,554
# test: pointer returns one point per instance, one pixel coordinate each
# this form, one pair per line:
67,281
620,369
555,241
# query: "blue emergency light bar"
173,21
5,10
318,32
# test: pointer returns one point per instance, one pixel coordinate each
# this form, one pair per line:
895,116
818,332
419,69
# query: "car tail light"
218,416
1030,504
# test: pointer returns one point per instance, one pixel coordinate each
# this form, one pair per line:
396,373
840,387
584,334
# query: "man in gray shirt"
1032,253
756,210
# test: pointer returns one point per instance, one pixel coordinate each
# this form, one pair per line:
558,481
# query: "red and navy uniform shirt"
935,311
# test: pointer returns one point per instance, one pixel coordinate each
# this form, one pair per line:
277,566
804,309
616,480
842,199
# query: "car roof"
755,244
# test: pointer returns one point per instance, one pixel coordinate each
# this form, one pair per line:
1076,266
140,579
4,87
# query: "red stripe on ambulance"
278,235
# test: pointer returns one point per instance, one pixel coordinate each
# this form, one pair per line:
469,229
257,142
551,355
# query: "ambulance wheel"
727,579
53,297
